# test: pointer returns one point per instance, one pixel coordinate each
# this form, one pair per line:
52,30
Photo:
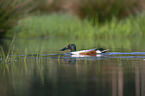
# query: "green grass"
67,26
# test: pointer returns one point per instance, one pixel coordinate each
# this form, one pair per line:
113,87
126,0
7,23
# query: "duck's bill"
63,49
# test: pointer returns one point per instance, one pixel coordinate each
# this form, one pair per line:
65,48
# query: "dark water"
53,73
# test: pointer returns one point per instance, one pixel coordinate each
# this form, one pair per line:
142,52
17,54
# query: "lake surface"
36,67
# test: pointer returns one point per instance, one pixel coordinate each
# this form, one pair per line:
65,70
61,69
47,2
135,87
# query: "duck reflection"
73,58
70,60
98,55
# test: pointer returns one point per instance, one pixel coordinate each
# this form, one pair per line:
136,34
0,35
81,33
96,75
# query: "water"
54,73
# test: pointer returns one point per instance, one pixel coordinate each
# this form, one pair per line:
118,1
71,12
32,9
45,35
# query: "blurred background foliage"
102,10
65,25
11,11
96,11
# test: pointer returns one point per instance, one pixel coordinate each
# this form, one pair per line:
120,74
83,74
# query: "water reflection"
60,76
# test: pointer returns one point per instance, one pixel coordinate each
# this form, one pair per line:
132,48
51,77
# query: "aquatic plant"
5,55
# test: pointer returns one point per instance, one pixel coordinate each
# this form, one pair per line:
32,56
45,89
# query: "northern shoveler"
95,51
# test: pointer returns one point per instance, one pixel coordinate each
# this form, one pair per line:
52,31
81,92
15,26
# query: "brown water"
53,73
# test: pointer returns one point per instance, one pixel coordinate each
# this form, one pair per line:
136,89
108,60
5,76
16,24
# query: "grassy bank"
93,10
68,26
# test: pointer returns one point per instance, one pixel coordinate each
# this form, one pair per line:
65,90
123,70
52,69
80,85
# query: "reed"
11,11
6,56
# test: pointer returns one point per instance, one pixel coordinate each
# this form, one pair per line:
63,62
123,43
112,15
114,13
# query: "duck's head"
72,47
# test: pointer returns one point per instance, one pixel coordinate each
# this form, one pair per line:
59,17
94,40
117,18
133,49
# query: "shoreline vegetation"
89,18
65,25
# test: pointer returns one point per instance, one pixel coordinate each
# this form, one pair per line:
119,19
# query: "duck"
73,51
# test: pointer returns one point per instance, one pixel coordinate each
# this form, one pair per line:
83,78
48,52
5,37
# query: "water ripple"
122,55
125,53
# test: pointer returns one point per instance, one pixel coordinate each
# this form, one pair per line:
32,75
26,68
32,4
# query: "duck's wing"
98,51
101,50
78,52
